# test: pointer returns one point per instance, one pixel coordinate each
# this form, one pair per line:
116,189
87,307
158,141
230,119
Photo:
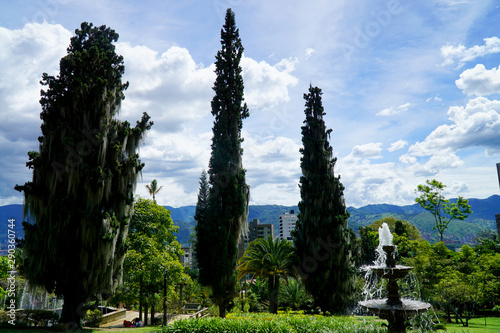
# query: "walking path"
131,315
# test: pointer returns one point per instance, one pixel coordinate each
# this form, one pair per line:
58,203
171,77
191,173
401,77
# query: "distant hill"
458,232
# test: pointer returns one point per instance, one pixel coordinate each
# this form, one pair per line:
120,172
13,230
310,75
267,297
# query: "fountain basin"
396,272
408,307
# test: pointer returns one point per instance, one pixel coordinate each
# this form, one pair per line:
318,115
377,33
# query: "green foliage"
432,199
268,259
152,249
93,318
219,231
81,194
321,236
295,295
487,241
260,323
39,318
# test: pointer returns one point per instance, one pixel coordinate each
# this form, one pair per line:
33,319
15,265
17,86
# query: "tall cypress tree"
218,235
80,199
321,237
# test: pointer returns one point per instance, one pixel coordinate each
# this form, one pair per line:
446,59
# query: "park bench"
191,307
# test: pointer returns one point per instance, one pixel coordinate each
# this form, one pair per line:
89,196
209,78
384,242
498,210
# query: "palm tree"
153,189
271,259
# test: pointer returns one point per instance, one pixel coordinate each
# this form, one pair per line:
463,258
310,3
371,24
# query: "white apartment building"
287,224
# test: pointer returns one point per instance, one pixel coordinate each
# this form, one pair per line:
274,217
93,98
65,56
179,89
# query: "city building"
187,259
287,225
255,230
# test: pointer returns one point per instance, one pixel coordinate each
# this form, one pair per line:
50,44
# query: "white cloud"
171,87
369,150
462,54
479,81
309,52
267,86
407,159
400,144
394,110
273,169
435,98
24,56
476,124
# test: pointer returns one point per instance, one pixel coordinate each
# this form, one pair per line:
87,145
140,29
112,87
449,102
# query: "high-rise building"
287,224
255,230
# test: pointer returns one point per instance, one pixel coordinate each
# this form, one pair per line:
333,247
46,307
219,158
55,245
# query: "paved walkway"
131,315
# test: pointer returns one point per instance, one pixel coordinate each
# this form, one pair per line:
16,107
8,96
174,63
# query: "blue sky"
411,90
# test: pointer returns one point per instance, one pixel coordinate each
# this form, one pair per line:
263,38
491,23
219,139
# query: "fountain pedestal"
394,309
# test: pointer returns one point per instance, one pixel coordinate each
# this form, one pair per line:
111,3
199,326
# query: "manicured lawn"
476,325
265,322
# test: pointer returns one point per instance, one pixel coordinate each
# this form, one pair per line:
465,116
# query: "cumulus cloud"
461,54
273,169
407,159
369,151
476,124
25,55
400,144
266,86
171,87
394,110
479,81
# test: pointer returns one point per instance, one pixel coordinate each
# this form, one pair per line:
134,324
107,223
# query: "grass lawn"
476,325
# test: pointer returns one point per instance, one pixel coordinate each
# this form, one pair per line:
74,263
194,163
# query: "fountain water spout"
393,308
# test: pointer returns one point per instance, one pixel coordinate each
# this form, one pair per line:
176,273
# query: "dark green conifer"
321,236
229,195
80,199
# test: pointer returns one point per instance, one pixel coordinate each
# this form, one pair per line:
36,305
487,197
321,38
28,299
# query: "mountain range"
458,232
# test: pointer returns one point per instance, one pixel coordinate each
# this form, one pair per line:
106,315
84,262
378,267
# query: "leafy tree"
219,234
153,248
84,174
268,259
432,199
321,236
153,189
368,239
487,241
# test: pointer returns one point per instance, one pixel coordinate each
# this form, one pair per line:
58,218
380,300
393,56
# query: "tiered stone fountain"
394,309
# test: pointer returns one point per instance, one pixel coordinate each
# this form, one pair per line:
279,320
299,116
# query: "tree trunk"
145,313
153,313
222,310
72,312
140,299
274,285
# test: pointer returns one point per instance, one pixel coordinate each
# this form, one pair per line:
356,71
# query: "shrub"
93,318
265,322
24,318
